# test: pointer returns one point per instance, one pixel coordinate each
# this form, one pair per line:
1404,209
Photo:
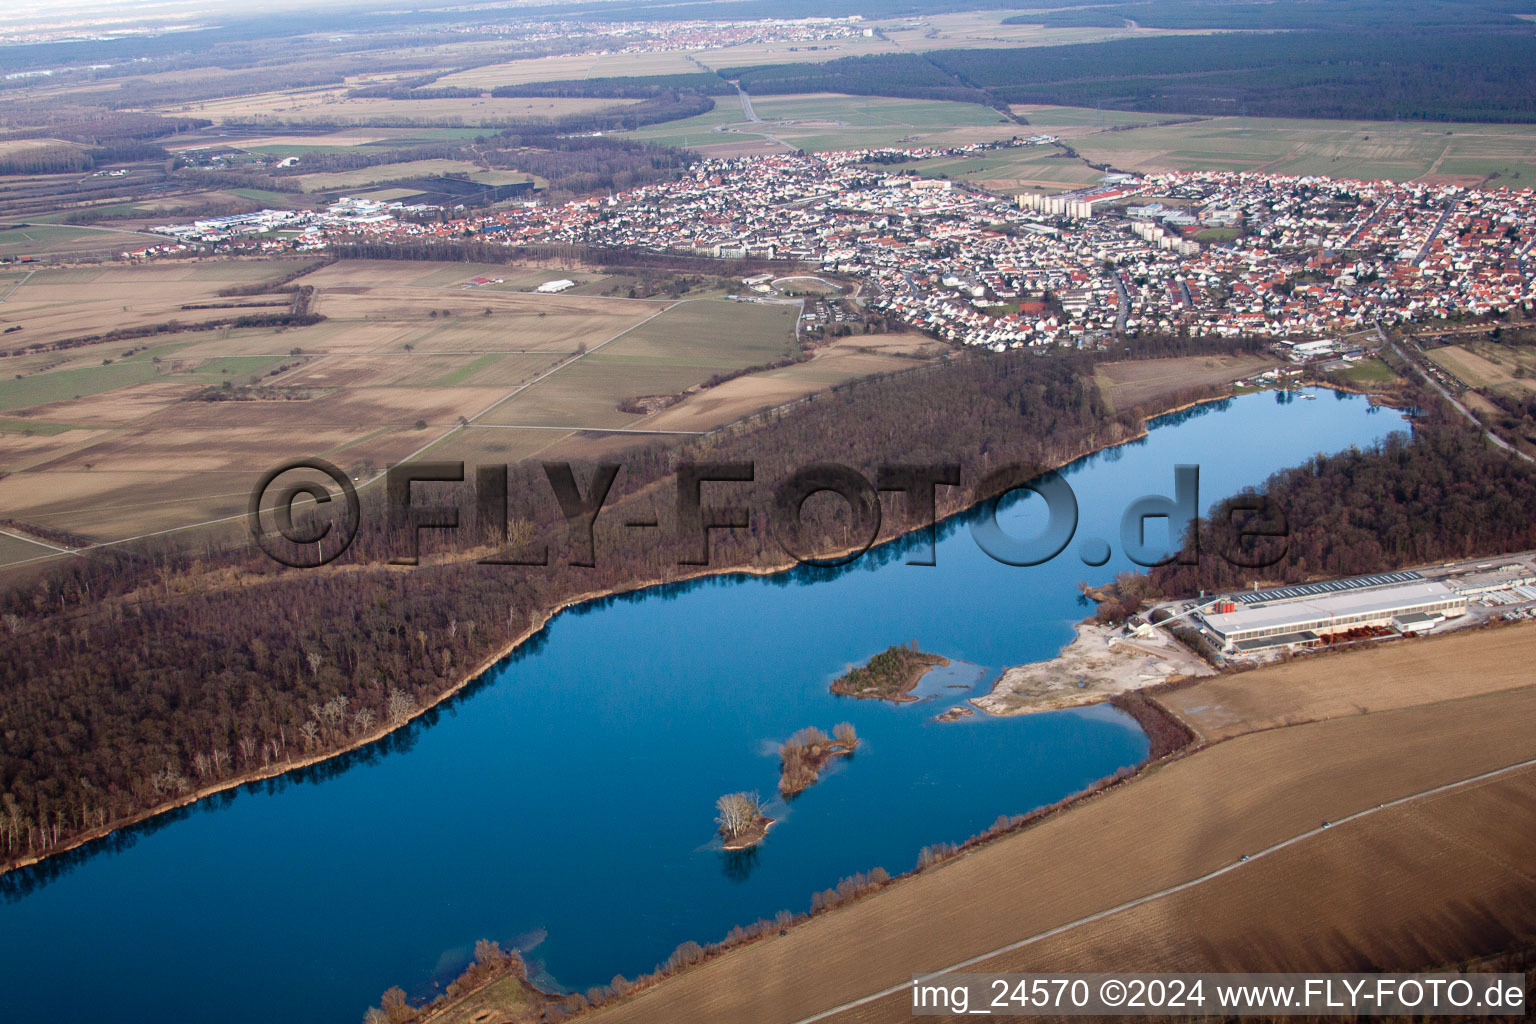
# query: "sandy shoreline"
1098,664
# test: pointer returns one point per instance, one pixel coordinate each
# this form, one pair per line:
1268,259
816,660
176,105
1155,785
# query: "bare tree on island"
738,812
843,732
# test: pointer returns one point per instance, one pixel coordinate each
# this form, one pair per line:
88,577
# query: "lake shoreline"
537,622
750,837
1099,664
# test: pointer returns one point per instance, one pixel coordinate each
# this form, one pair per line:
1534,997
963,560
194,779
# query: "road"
12,290
1169,891
1472,419
1125,304
1364,225
746,105
38,542
1434,233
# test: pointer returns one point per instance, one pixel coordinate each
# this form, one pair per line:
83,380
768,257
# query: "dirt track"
1424,883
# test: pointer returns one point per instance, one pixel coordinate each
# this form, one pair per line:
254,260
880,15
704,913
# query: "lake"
564,805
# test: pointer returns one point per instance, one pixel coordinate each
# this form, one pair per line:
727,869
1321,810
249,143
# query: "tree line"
623,87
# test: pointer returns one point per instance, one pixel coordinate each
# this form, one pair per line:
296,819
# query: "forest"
49,159
1320,15
1475,75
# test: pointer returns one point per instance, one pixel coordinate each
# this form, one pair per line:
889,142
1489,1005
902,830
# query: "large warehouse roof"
1302,590
1300,614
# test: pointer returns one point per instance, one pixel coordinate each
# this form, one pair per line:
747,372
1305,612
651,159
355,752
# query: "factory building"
1248,627
1504,578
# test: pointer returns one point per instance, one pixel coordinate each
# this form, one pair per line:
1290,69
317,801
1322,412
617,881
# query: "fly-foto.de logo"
309,519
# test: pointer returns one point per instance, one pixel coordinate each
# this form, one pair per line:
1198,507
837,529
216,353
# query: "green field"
685,346
1398,151
285,150
79,381
1369,373
39,239
468,370
1010,170
1218,235
1046,117
320,182
30,427
62,385
827,122
236,366
261,195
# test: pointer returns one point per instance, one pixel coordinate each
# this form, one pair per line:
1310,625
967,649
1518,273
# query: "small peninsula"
890,675
803,756
1101,662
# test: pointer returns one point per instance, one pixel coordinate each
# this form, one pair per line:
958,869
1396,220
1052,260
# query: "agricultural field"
321,182
837,363
664,355
34,239
946,31
827,121
1468,154
280,143
1068,121
1385,875
1483,364
14,548
333,107
411,357
1132,382
54,304
1385,678
981,29
578,65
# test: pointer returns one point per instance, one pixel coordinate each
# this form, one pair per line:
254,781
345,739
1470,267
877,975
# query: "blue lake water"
565,805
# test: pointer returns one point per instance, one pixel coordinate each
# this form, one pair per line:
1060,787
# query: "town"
1298,257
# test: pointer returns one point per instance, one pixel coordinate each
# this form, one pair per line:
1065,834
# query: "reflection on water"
564,804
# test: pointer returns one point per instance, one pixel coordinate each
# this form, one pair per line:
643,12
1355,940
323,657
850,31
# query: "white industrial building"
561,285
1504,578
1257,626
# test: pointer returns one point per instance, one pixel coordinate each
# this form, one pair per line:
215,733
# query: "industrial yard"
1262,624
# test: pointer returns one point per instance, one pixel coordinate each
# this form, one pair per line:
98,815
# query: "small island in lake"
890,675
807,752
741,821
